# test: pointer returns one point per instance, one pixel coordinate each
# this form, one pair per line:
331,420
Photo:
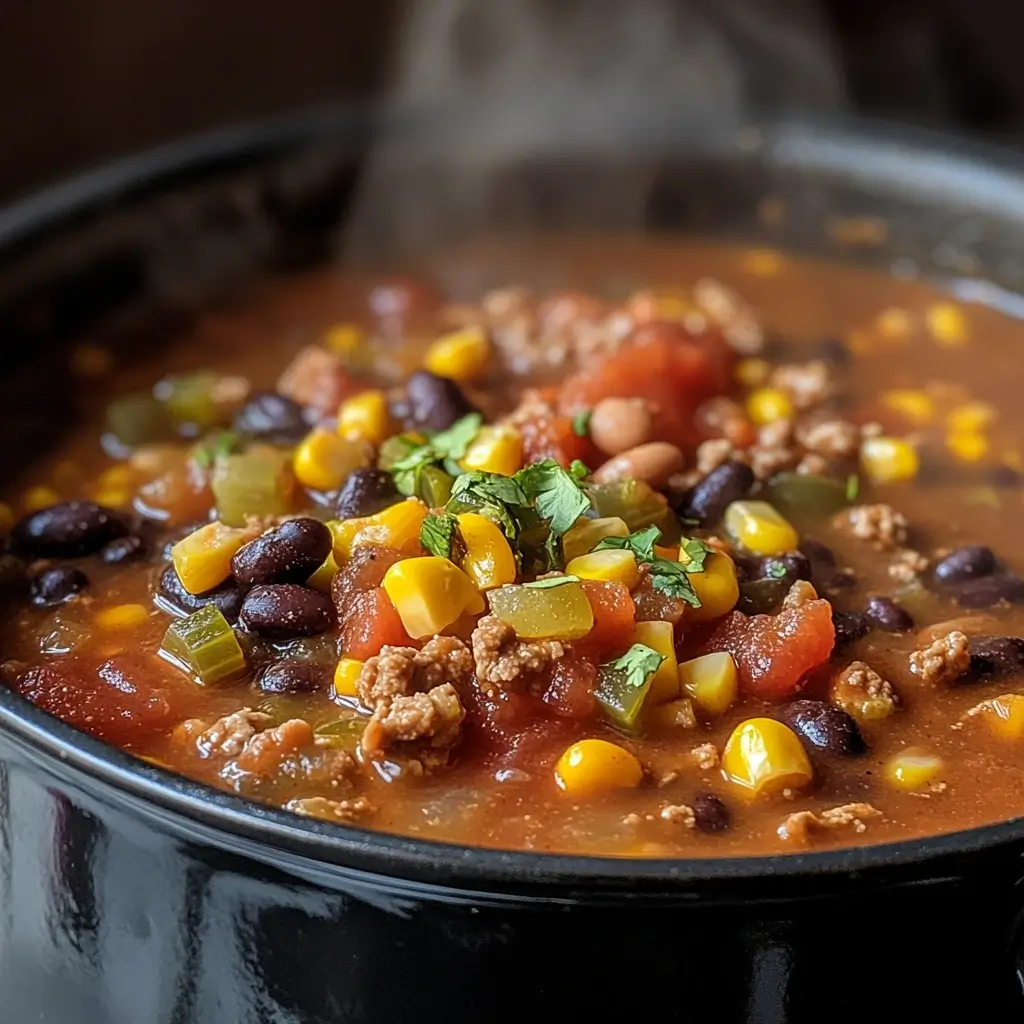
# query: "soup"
712,554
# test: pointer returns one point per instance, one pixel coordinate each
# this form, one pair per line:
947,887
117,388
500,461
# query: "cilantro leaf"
453,442
666,576
697,552
777,571
557,494
581,423
445,447
640,543
638,664
852,487
214,446
552,581
438,532
579,470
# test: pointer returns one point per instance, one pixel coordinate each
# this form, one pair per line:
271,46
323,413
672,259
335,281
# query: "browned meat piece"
315,378
800,593
835,439
356,809
503,661
943,660
264,751
880,525
736,319
906,565
435,716
801,826
706,756
402,671
229,735
861,692
808,384
678,814
714,453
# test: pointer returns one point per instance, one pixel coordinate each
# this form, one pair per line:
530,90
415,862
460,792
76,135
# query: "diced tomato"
614,619
552,437
364,572
775,653
537,747
570,694
372,624
664,363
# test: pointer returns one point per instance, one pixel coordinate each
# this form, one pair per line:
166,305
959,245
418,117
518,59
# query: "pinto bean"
653,463
618,424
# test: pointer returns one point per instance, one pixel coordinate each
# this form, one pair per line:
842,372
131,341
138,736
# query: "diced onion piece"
258,482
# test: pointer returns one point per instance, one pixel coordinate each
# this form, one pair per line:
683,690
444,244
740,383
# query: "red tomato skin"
372,624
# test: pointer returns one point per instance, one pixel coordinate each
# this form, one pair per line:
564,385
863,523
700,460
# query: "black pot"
131,896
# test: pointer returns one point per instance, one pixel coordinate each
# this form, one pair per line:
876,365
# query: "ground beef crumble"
503,661
861,692
678,814
263,752
357,809
402,671
800,593
801,826
880,525
834,439
229,735
807,384
907,565
706,756
943,660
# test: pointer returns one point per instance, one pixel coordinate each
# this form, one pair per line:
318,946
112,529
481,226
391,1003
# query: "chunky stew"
714,554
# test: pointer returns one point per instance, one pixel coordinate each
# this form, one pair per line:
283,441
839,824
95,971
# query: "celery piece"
544,613
138,419
635,502
619,696
258,482
190,400
204,646
434,486
805,496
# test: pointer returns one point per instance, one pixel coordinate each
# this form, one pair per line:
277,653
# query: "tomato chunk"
774,653
614,619
570,694
552,437
364,572
373,624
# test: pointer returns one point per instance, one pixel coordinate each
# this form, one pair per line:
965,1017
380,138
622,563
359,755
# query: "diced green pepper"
434,487
191,401
619,697
560,612
137,419
258,482
637,504
205,646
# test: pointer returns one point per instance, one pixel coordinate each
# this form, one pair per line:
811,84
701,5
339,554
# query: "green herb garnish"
697,552
581,423
445,447
556,493
438,532
552,581
214,446
777,571
666,576
852,487
638,665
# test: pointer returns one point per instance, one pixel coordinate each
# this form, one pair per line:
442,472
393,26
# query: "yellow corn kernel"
912,769
759,528
430,593
497,449
461,355
121,475
397,527
888,460
717,587
971,416
967,445
343,339
365,416
36,498
612,565
323,459
321,579
588,533
947,325
346,677
591,766
916,406
766,405
711,681
762,262
751,373
893,324
660,637
764,756
113,498
1003,715
121,616
202,560
489,561
6,517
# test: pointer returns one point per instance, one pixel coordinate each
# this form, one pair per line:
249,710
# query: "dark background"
84,81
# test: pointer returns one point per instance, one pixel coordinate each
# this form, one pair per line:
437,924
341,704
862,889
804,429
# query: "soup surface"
713,554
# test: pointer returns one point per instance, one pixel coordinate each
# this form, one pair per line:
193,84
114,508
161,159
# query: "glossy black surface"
129,896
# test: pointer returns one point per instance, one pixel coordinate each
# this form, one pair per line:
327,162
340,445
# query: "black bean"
68,530
366,492
171,593
761,597
708,501
989,590
124,549
56,585
289,553
434,403
850,626
269,416
886,614
709,813
824,727
295,676
284,610
788,568
823,561
965,563
993,656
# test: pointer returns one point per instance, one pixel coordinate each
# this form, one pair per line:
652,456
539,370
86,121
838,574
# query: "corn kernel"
766,405
888,460
612,565
763,756
660,637
365,416
1003,715
462,355
489,561
397,527
971,416
6,517
588,533
497,449
717,587
893,324
967,445
592,765
912,769
346,677
343,339
916,406
113,498
711,681
947,325
759,528
202,560
751,373
762,262
430,593
36,498
321,579
121,475
323,460
121,616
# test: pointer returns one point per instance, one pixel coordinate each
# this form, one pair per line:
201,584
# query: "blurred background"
88,80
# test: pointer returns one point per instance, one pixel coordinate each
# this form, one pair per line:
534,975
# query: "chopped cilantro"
638,664
579,469
447,447
666,576
697,552
552,581
852,487
438,533
453,442
581,423
557,494
777,571
213,446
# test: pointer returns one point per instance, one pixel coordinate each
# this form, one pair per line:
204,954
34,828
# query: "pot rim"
921,160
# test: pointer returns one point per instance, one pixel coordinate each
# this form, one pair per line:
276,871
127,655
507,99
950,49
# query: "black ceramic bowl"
131,896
